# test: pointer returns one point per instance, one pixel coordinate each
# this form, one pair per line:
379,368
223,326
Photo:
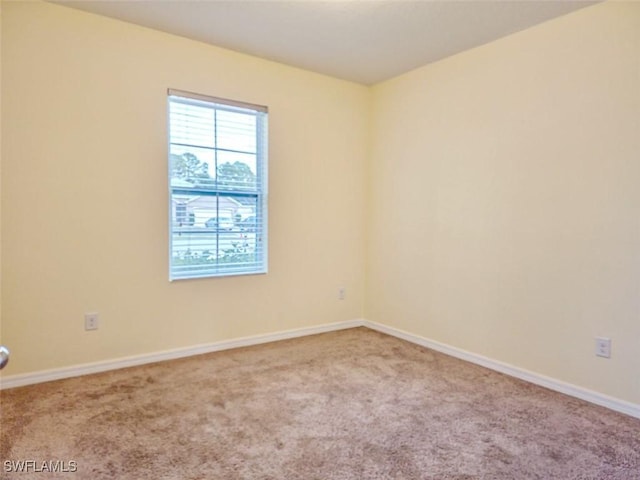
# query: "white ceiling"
365,41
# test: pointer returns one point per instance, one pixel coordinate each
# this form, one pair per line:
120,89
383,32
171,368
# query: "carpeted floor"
353,404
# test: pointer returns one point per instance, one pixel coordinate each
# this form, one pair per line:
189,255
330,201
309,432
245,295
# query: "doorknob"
4,356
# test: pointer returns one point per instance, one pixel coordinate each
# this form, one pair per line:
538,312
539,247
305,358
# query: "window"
218,187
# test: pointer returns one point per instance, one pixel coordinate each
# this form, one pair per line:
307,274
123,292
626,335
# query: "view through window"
218,186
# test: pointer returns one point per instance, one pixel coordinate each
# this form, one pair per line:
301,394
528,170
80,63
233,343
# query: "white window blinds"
218,186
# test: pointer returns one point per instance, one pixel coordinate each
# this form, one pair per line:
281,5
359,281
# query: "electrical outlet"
342,293
91,321
603,347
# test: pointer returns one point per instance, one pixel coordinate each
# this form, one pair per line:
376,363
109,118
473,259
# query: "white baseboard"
628,408
12,381
612,403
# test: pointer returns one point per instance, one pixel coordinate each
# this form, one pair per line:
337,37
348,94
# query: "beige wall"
0,173
84,193
503,204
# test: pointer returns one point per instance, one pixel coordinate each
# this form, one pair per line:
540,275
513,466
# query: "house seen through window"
218,186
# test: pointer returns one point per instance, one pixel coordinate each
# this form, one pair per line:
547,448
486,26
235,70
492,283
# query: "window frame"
259,192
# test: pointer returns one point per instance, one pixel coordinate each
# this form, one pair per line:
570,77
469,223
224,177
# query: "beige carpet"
353,404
